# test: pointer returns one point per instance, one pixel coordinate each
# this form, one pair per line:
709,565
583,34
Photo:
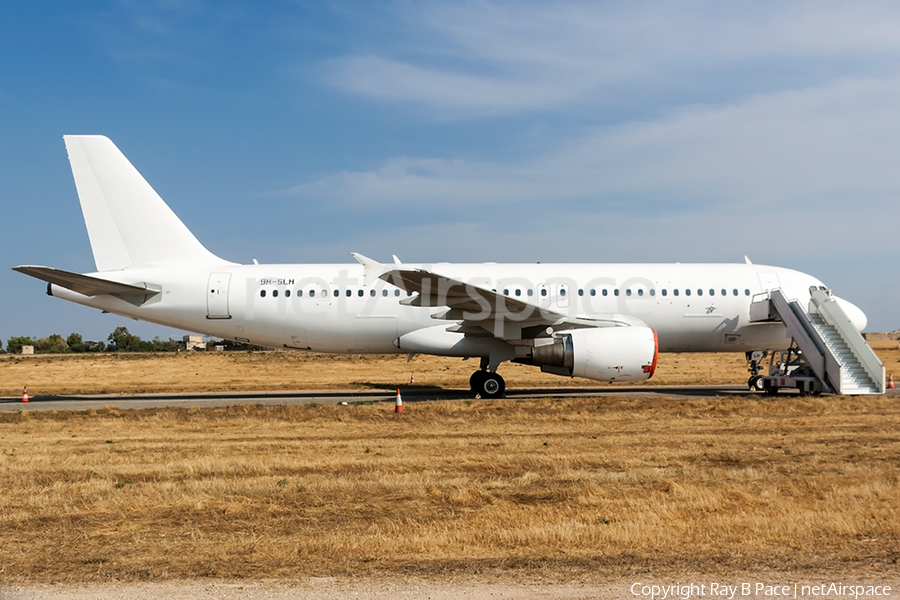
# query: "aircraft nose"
856,316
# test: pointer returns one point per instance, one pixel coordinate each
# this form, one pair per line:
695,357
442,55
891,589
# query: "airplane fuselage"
342,308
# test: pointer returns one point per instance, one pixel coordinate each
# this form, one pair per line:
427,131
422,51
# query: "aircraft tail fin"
129,225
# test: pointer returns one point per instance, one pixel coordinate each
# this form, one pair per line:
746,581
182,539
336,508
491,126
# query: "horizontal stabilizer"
86,284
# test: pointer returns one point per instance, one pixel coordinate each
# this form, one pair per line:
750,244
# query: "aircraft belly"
352,333
376,333
331,335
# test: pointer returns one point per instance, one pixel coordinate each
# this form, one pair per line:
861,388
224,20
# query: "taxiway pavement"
409,395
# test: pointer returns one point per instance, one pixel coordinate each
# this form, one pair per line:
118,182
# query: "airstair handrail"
814,349
822,302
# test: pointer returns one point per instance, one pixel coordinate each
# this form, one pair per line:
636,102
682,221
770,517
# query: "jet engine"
602,354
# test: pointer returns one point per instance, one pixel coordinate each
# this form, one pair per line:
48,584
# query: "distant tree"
157,345
170,345
53,344
229,346
75,343
94,347
122,341
14,344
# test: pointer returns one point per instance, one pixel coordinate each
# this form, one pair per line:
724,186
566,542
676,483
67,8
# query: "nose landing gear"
755,367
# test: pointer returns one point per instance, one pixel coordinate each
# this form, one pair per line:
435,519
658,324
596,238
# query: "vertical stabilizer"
128,224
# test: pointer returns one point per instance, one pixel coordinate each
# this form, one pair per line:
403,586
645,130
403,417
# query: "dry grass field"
573,489
560,489
47,375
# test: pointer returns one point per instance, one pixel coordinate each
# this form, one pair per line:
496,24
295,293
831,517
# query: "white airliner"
605,322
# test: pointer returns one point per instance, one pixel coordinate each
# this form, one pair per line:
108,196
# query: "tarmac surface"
408,394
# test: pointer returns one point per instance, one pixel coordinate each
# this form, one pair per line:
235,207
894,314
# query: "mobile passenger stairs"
827,353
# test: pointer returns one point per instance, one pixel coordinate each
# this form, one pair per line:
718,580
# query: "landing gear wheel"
756,383
488,385
475,380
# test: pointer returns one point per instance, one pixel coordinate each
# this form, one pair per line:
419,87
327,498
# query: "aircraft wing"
86,285
484,311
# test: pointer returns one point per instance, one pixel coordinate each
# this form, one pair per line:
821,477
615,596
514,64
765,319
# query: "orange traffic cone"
890,381
25,394
412,379
398,406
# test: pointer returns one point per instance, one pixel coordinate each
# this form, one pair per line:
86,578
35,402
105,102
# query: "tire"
490,386
475,380
756,384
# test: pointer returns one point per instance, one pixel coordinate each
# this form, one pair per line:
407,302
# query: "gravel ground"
318,589
328,588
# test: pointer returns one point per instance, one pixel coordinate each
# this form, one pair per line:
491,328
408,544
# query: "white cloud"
824,146
504,58
396,80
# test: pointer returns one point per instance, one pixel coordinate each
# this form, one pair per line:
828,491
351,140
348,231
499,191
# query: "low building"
194,342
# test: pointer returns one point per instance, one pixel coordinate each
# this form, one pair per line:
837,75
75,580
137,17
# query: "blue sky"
462,131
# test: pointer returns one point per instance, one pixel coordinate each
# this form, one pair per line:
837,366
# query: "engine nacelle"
602,354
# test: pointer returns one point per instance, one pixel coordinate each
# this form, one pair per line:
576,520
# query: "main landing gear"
486,384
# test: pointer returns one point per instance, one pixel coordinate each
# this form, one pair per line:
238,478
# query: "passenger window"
543,292
605,292
360,293
735,291
652,292
287,293
409,293
581,292
506,292
518,292
336,293
699,292
312,293
562,291
299,293
675,291
746,292
397,293
687,292
348,293
628,292
724,292
665,292
593,292
262,293
530,292
640,292
372,293
616,292
712,292
384,292
274,293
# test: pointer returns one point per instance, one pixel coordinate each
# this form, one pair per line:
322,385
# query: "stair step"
841,346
